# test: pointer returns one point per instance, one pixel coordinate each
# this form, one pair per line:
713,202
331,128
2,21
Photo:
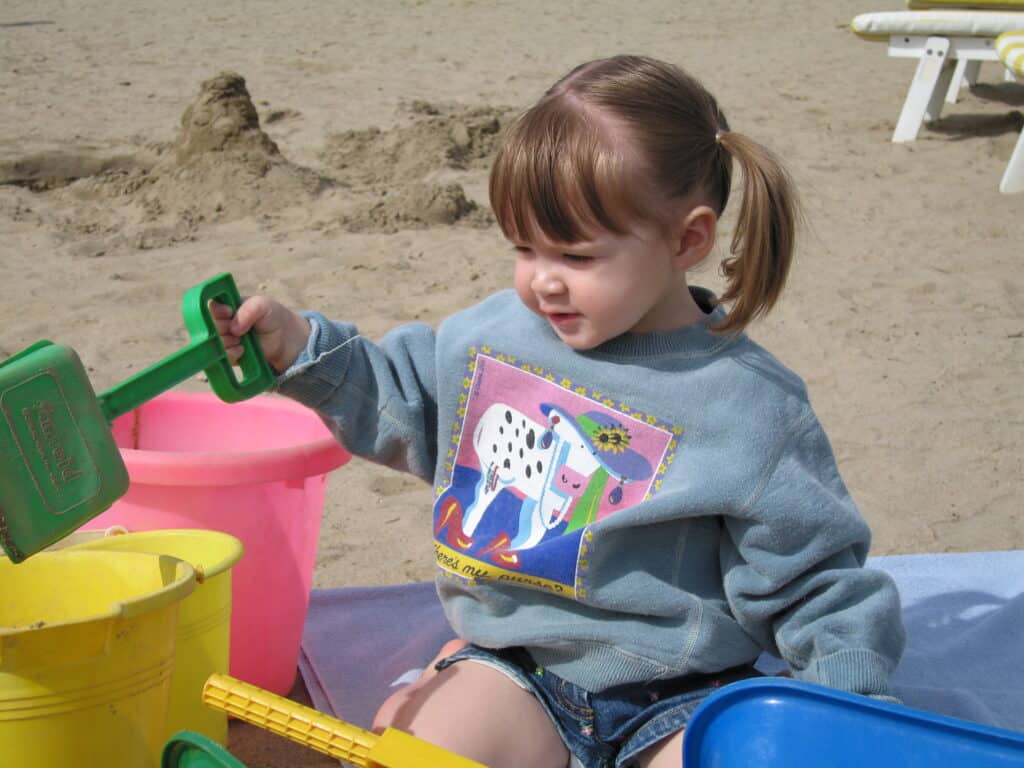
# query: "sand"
335,155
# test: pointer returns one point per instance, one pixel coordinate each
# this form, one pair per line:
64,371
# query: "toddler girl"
633,500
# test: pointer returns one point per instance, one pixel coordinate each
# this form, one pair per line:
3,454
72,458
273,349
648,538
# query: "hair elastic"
718,136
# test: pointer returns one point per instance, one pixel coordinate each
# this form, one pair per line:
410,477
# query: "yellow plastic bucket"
86,654
204,622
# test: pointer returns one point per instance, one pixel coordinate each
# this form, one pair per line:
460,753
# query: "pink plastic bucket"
256,470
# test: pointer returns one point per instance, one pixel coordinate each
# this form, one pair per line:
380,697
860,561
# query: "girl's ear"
696,236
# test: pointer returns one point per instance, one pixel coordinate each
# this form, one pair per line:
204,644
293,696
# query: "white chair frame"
945,65
1013,177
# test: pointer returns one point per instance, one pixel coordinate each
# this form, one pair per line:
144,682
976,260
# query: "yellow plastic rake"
326,734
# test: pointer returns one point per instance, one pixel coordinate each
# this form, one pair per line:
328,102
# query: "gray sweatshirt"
663,504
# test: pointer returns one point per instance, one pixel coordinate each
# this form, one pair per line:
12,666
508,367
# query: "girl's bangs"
557,175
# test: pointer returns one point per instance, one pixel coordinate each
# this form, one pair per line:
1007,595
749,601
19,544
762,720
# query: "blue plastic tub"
780,722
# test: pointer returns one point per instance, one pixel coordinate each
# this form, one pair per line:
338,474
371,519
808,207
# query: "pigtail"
763,241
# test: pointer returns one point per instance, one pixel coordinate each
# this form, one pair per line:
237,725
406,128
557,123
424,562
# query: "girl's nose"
546,281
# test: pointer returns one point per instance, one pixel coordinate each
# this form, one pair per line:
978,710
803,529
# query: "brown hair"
612,140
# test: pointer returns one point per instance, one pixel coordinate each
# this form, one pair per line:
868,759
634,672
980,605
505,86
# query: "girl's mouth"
563,318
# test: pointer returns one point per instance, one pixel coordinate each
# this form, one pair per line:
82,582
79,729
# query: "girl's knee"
394,708
477,711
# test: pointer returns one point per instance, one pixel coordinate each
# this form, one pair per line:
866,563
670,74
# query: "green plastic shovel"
59,464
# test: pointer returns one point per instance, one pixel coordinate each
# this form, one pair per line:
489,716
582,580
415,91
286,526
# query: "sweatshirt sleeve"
379,400
792,565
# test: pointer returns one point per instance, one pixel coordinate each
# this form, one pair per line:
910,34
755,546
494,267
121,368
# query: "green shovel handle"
257,375
204,353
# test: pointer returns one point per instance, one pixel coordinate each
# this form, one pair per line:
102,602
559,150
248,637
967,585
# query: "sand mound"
415,206
433,137
221,166
51,169
222,118
410,173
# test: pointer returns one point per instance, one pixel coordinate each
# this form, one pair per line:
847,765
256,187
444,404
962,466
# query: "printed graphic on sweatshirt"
534,461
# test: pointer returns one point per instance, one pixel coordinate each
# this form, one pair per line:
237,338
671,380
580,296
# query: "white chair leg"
959,75
1013,178
934,71
972,71
934,109
966,74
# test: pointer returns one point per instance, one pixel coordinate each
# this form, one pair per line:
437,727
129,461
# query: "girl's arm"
379,400
792,562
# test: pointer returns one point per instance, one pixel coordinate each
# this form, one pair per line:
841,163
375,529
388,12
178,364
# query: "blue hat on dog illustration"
608,439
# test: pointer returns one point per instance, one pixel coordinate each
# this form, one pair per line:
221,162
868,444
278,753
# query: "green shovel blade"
59,464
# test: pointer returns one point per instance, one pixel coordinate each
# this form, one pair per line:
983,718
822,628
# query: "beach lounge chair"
966,72
950,46
1010,48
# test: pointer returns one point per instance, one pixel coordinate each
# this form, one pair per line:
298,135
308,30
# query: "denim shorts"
607,729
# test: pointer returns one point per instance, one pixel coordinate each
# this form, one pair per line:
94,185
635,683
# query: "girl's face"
603,286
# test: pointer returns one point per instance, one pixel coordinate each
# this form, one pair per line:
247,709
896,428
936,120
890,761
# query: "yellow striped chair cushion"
880,26
977,5
1010,47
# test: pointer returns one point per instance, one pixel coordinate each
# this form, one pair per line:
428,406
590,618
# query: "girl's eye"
577,258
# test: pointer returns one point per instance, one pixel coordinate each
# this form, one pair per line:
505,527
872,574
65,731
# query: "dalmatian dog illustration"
559,469
537,461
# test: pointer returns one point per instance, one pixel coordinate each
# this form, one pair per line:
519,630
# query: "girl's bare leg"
477,712
397,702
667,753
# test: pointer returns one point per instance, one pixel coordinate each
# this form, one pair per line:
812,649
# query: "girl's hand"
282,333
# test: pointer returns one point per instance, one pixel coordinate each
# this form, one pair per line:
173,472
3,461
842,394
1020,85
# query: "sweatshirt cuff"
321,367
857,671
